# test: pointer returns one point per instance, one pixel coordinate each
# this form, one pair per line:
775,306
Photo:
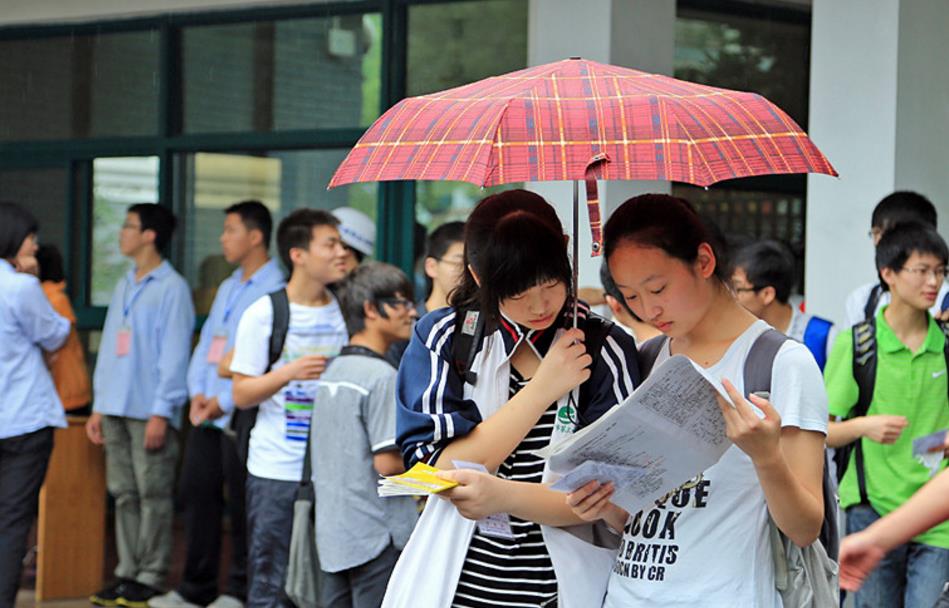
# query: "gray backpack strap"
648,352
760,360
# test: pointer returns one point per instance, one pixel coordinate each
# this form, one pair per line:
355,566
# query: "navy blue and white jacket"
436,406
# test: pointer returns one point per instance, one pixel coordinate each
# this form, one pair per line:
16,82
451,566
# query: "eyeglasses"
127,226
398,302
745,289
924,272
453,263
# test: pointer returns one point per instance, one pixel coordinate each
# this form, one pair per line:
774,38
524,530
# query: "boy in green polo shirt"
910,399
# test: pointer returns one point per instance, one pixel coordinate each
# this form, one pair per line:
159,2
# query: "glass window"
44,193
440,202
283,181
117,183
768,56
79,86
275,75
461,42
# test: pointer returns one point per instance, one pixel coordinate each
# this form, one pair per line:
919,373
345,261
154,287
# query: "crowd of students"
337,372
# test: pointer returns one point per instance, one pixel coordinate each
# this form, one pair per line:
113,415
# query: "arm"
197,369
879,428
176,319
861,552
788,463
482,494
388,463
42,325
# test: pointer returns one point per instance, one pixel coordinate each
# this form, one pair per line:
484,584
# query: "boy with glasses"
359,534
140,389
903,352
762,279
896,208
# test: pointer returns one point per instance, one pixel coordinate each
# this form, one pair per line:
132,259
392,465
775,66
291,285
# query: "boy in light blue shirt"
140,389
211,458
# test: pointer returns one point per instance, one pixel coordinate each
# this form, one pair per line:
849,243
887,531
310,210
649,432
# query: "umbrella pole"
576,249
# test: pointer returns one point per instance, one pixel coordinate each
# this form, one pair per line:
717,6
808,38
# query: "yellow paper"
422,477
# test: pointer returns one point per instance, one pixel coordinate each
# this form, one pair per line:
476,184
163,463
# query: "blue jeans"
269,526
909,576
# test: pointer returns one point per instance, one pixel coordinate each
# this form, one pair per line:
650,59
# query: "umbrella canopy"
554,121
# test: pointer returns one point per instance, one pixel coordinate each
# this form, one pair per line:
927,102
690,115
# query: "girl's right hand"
591,502
565,366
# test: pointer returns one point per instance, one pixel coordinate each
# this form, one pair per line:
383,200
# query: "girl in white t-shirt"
706,543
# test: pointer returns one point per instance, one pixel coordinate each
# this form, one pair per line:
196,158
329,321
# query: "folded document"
420,480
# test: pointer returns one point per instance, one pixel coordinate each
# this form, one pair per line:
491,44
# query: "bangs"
520,256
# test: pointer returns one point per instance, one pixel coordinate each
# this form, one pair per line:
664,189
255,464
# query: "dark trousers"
269,527
211,464
23,462
361,587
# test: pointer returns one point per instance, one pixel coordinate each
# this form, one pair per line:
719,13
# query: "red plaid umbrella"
577,119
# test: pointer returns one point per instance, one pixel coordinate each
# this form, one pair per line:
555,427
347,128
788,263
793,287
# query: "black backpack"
243,421
864,361
757,379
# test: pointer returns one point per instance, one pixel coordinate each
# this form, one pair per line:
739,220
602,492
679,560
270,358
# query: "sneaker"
172,599
136,595
110,595
226,601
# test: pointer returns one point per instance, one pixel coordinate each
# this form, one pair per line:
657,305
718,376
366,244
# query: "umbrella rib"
624,129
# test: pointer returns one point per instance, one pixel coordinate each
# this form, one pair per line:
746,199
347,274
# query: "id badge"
497,525
298,409
123,341
216,350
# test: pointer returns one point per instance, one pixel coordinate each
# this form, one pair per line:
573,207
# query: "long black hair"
16,223
513,241
668,223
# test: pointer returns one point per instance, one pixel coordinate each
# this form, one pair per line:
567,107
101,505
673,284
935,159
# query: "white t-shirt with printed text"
278,440
707,543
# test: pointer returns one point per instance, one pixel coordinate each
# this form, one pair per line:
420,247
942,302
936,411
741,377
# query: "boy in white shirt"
310,247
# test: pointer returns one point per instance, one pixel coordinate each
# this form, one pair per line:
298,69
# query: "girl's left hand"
477,495
760,438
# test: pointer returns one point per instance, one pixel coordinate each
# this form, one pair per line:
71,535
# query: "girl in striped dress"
531,381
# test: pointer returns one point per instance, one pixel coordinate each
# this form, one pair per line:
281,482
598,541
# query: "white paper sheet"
669,430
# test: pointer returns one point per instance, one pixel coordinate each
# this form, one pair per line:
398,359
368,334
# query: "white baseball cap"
356,229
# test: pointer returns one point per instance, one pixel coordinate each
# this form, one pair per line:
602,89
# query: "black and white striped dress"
513,573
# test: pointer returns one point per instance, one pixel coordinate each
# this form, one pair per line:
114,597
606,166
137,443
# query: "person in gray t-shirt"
358,534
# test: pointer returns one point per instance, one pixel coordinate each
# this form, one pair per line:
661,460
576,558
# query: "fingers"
571,336
590,500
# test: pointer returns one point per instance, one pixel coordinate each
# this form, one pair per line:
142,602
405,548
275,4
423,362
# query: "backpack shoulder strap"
944,326
945,302
466,339
760,361
595,331
864,373
870,308
864,363
648,352
281,324
757,378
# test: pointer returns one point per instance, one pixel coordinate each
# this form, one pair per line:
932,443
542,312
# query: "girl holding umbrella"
713,547
531,380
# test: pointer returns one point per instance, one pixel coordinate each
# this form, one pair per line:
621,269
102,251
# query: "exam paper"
668,431
929,450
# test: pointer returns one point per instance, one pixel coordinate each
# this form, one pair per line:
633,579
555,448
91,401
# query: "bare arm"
792,485
249,391
789,463
482,494
881,428
388,463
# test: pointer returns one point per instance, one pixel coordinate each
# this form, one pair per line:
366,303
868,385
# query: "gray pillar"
638,34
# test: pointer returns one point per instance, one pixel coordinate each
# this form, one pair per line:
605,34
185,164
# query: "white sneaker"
172,599
226,601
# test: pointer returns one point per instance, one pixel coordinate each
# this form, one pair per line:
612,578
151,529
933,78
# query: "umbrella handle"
576,250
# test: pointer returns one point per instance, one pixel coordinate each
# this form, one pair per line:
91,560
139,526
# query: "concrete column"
878,111
638,34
